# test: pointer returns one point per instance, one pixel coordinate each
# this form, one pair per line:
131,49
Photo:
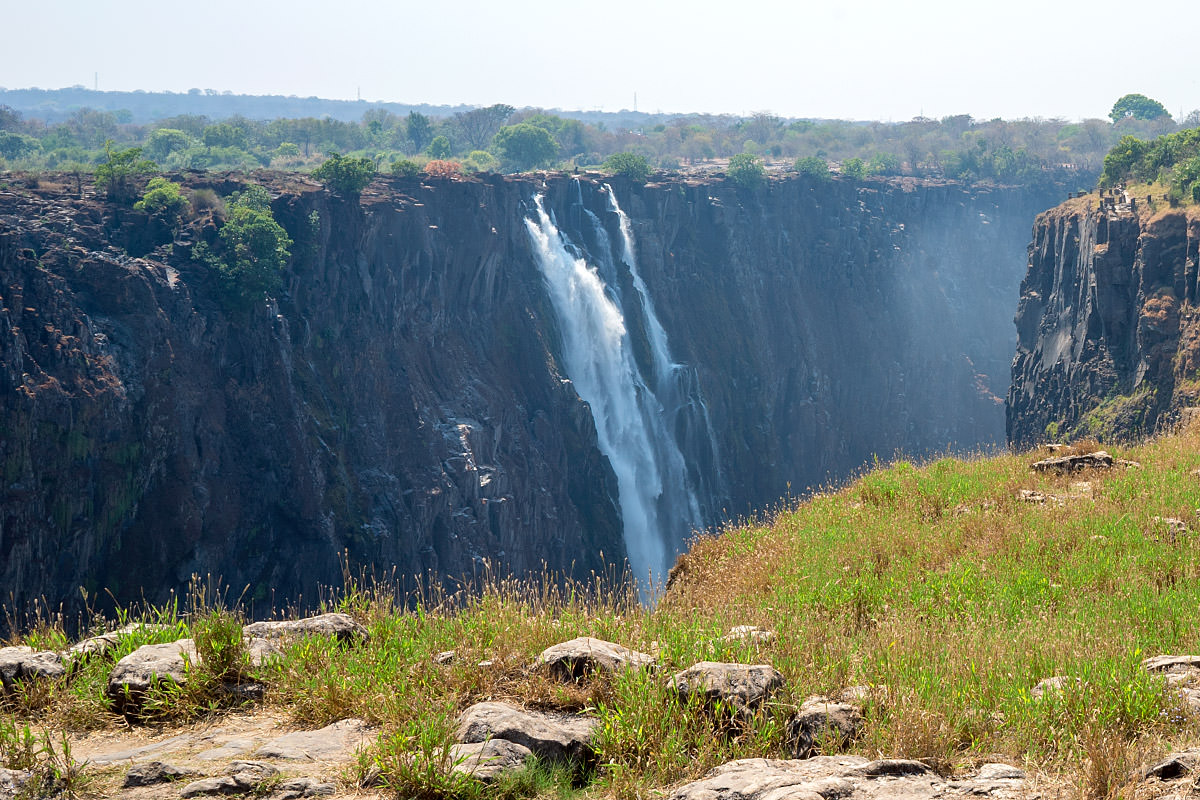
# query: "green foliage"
1137,106
345,174
525,146
854,168
633,166
224,134
481,161
406,168
15,146
439,148
813,167
419,130
287,150
165,141
163,199
746,170
1173,159
254,247
1120,162
119,175
884,164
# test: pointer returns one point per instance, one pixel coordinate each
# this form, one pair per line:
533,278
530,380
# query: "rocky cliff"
1108,335
403,402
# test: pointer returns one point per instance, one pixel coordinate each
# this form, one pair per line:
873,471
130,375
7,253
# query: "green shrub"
345,174
481,161
630,165
439,148
854,168
406,168
813,167
118,176
746,170
254,247
162,199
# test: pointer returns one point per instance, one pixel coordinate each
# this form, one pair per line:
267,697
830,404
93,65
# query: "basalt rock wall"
401,402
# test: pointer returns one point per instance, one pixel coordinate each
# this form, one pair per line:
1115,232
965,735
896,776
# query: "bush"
525,146
443,169
439,148
162,199
854,168
481,161
254,247
118,176
630,165
813,166
406,168
207,200
746,170
345,174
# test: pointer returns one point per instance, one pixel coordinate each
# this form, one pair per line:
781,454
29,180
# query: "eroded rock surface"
240,777
574,659
822,725
23,663
333,741
486,761
555,737
341,626
155,772
741,686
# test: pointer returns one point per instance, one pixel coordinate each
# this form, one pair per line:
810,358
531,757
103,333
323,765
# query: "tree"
406,168
17,145
119,175
479,125
163,199
631,165
524,146
439,148
481,161
1120,161
345,174
746,170
225,135
255,246
813,167
419,130
854,168
165,141
1137,106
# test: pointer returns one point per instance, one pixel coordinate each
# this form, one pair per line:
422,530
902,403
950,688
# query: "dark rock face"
1108,341
402,402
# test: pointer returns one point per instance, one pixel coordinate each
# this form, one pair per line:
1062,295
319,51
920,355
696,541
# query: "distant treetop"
1137,106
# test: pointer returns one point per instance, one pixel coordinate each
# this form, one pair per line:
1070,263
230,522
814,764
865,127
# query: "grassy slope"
935,586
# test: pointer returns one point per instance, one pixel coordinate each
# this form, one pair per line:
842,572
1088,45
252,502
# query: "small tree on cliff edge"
344,174
119,176
746,170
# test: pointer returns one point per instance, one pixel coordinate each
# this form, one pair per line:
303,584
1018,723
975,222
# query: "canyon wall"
403,403
1108,334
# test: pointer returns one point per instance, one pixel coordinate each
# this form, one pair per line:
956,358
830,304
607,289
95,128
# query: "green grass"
932,585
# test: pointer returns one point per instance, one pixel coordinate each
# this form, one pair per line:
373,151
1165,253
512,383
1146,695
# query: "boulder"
572,660
553,737
1051,686
12,781
22,663
822,724
331,742
303,787
99,645
240,777
341,626
154,772
740,686
844,778
1169,663
749,634
486,761
1097,460
134,674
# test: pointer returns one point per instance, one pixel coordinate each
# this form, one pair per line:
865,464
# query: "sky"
886,60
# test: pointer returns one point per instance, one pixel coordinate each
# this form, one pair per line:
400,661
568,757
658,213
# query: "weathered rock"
1031,496
751,634
332,741
99,645
740,686
23,663
999,772
555,737
134,674
1097,460
822,725
303,787
12,781
239,777
1169,663
1168,528
841,777
1178,765
1051,686
485,761
574,659
153,772
342,626
445,658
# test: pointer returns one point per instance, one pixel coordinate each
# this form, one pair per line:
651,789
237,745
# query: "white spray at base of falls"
658,508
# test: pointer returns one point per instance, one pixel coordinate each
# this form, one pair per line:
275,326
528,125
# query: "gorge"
417,397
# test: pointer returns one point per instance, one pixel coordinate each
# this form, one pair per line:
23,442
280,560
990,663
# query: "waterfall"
658,505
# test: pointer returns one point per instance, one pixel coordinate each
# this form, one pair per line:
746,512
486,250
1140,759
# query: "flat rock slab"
335,741
1097,460
822,725
26,664
99,645
554,737
240,777
155,772
341,626
574,659
1168,663
486,761
741,686
842,777
1179,765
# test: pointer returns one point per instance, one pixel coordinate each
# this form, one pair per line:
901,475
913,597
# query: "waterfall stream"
634,414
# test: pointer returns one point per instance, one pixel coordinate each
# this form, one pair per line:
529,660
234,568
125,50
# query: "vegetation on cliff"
947,592
1172,160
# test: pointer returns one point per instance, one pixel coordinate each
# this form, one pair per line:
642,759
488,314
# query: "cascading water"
658,506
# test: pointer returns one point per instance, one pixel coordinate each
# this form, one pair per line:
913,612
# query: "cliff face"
1108,336
403,403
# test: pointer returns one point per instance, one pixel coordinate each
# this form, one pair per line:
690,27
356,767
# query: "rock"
572,660
1168,663
822,724
1126,464
751,634
1168,528
12,781
340,625
999,772
741,686
1097,460
485,761
1178,765
153,772
837,777
303,787
1031,496
133,675
859,694
554,737
444,658
331,742
23,663
1055,685
99,645
240,777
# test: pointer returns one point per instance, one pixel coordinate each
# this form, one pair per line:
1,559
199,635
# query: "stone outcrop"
822,725
553,737
1108,336
740,687
486,761
21,663
341,626
574,659
134,675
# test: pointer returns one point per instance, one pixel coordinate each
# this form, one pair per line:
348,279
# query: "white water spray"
658,508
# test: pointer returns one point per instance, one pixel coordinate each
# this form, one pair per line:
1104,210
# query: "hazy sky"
862,59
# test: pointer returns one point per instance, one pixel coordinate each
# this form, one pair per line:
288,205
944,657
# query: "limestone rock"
820,724
742,686
576,658
554,737
485,761
240,777
303,787
99,645
340,625
750,634
23,663
1097,460
1169,663
842,777
153,772
332,741
133,675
